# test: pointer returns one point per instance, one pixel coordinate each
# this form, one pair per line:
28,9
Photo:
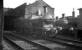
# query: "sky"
61,6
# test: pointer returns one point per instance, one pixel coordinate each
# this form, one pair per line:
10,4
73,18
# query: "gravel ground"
53,46
6,46
22,44
25,45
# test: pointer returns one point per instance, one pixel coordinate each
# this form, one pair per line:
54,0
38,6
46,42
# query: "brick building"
39,9
18,18
35,10
80,18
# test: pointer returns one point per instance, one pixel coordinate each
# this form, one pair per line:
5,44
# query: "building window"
39,12
45,9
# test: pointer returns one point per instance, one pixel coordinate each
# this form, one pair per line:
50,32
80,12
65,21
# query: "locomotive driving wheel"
50,33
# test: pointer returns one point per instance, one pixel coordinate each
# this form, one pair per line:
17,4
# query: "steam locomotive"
37,27
30,26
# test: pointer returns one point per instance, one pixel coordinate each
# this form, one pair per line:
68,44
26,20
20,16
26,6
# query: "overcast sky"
61,6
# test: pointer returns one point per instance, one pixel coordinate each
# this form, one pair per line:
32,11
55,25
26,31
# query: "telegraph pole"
1,23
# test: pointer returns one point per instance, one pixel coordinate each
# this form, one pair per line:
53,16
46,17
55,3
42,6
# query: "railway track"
68,39
70,43
8,38
48,44
13,44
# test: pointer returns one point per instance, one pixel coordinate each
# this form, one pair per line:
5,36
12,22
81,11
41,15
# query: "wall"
80,19
50,13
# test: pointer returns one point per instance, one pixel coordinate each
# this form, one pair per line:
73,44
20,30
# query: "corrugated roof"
39,3
6,9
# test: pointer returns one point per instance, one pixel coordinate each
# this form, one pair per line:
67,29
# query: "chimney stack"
63,15
73,13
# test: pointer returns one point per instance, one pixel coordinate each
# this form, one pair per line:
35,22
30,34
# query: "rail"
66,43
24,39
